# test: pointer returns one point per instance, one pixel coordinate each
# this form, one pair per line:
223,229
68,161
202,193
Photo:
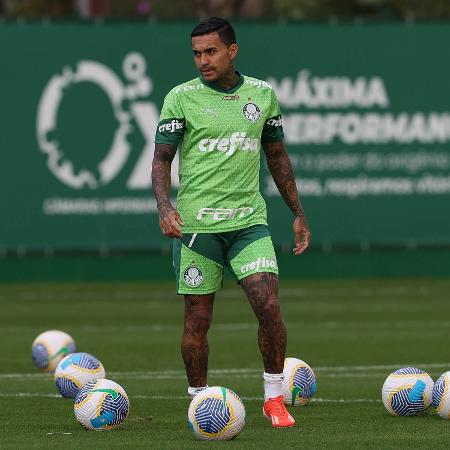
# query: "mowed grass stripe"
227,327
162,291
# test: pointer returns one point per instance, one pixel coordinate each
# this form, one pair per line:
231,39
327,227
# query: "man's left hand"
302,235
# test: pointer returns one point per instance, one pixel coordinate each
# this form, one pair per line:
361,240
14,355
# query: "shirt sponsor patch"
228,146
231,97
172,126
224,213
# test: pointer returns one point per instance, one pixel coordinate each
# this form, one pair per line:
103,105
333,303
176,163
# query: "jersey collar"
232,89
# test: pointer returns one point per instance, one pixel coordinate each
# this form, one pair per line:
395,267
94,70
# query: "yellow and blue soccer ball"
299,383
441,395
101,405
216,414
407,392
75,370
50,347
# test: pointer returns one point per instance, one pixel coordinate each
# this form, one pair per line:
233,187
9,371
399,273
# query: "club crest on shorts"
193,276
251,112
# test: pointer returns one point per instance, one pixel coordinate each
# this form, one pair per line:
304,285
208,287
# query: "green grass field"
353,334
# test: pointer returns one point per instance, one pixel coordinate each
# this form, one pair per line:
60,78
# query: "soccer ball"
299,383
441,395
101,405
75,370
216,414
50,347
407,392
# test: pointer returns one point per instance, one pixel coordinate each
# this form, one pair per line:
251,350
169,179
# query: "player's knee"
197,327
268,308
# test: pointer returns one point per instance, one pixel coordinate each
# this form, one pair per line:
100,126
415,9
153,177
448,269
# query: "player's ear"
233,50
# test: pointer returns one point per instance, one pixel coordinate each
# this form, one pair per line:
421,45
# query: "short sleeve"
273,126
172,122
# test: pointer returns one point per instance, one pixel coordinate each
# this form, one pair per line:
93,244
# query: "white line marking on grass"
187,398
26,375
176,373
256,376
346,400
165,377
58,432
353,375
169,374
162,397
251,326
330,371
260,399
29,394
387,366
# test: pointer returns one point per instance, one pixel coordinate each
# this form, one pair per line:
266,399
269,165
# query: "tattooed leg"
194,343
262,293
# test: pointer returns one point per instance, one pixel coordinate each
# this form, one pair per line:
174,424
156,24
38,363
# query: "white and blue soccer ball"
101,405
441,395
299,383
75,370
50,347
407,392
216,414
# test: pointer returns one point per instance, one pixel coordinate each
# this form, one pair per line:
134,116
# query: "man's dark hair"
216,25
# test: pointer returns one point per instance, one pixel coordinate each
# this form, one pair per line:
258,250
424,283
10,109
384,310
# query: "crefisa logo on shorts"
193,276
258,263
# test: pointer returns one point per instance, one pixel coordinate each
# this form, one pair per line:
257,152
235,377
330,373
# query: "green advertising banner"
366,114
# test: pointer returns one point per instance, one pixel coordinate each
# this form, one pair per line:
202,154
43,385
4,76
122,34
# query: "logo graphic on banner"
369,143
110,164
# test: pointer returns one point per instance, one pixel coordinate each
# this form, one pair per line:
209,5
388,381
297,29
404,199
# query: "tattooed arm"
281,170
169,219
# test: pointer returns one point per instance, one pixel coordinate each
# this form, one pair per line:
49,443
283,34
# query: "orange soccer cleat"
276,412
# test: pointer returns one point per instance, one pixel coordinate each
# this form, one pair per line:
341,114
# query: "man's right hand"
170,222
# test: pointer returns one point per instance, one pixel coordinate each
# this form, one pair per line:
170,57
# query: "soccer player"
219,121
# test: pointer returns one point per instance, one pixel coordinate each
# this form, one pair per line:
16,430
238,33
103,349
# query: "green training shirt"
219,134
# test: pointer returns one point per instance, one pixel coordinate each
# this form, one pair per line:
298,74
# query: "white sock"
193,391
272,385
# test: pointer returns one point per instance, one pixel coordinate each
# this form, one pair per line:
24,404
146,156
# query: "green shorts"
199,258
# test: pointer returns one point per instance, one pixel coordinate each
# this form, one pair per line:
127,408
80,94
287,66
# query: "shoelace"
278,408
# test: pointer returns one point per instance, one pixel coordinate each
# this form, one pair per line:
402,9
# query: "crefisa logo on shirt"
251,112
193,276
